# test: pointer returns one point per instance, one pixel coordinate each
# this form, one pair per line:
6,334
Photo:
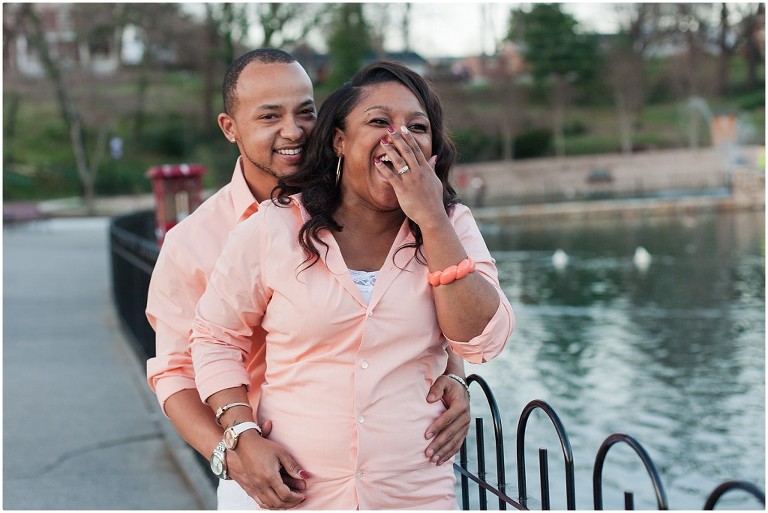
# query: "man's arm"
449,430
173,295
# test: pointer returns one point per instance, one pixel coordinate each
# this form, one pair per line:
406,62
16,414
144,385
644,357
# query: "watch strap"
245,426
232,433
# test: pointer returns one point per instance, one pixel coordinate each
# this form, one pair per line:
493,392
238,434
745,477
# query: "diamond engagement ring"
403,170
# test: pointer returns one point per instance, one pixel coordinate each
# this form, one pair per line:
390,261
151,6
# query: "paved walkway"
81,430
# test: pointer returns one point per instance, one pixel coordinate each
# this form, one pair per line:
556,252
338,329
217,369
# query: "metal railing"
134,252
499,489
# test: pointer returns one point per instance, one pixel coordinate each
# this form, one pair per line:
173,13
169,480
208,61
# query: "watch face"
230,440
217,465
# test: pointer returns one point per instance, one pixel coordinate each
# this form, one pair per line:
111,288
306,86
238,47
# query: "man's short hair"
263,55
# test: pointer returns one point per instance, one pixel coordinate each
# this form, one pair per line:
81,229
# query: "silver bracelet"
224,408
460,380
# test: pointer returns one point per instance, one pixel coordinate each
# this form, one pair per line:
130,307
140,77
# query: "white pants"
232,496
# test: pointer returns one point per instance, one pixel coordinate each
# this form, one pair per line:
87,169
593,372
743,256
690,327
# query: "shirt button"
369,313
361,419
359,474
364,364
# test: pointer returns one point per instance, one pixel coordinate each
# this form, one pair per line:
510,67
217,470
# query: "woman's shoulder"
288,210
458,211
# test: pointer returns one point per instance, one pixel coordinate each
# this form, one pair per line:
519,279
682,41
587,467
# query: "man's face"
273,116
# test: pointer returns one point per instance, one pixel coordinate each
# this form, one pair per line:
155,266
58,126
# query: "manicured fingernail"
377,161
384,141
391,130
303,474
403,129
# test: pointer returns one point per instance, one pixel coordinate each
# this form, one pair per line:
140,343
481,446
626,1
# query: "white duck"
642,258
560,259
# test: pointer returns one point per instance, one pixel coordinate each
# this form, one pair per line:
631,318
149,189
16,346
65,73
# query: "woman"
357,335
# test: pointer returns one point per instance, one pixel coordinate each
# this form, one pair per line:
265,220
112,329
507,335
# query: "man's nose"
291,129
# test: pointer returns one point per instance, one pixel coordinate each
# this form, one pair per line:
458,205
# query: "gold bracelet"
460,380
224,408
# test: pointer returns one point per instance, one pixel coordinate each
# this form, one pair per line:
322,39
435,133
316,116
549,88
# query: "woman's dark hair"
316,177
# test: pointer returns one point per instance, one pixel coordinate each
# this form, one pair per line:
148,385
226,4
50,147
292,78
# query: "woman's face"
389,104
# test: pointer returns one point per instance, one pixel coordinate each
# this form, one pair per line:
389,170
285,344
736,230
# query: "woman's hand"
418,189
447,433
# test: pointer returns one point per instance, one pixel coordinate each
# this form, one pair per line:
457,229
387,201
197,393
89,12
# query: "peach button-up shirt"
346,382
186,261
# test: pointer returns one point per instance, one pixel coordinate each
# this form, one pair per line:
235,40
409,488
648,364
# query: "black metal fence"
134,253
479,479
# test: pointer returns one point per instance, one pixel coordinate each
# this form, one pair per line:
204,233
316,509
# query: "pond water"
672,354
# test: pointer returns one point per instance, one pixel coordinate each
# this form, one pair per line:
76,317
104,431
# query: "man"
269,112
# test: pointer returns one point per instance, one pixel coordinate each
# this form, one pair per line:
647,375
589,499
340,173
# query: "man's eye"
269,116
309,112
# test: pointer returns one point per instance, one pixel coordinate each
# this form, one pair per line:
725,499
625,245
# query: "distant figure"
477,184
116,148
642,259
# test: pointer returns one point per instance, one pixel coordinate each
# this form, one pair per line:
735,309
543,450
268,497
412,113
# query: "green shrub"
475,146
536,142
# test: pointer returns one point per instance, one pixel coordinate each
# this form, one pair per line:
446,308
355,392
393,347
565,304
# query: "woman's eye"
418,127
380,122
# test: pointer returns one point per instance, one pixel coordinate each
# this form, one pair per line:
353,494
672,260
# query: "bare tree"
627,70
627,79
288,24
163,31
509,100
753,34
226,26
87,166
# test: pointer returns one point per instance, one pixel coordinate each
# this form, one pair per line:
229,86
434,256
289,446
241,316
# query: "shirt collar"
242,198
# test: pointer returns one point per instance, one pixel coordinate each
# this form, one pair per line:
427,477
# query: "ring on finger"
404,170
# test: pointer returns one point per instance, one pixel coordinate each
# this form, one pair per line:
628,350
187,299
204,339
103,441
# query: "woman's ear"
338,142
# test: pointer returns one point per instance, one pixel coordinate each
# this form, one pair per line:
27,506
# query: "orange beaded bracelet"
454,272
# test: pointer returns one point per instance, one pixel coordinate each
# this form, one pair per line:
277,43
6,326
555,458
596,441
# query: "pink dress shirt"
179,278
346,382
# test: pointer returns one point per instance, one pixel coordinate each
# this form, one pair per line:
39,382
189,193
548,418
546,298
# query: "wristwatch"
231,434
219,461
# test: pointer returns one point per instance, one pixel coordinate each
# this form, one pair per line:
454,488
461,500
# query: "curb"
186,459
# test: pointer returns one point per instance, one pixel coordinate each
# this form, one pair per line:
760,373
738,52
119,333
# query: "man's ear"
228,127
338,142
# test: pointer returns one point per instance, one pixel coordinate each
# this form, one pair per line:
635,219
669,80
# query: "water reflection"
672,355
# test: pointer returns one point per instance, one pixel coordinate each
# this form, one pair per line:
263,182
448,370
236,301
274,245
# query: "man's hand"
237,472
267,472
449,430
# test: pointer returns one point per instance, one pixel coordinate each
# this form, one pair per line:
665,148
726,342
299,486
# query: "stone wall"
595,176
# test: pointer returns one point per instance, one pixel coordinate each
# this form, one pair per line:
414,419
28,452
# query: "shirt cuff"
167,386
486,346
218,376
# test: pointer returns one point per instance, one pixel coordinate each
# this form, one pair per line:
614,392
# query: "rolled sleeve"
489,344
173,293
230,308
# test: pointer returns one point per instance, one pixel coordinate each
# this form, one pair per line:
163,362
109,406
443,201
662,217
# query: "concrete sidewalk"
81,428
